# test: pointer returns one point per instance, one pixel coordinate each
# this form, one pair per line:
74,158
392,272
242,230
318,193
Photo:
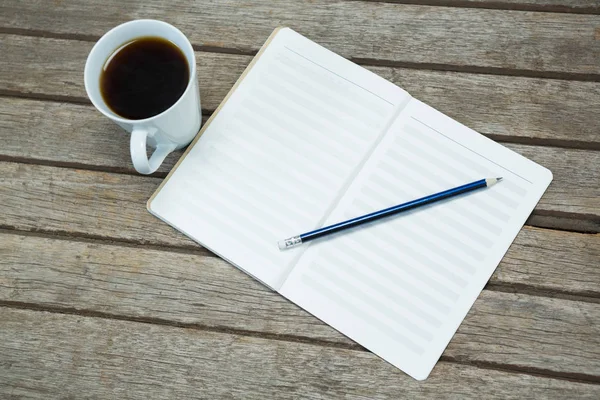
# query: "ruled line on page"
339,76
471,150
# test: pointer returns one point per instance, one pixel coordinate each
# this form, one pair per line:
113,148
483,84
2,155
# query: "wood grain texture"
526,109
49,355
112,205
523,330
205,292
81,202
551,261
456,37
575,186
542,259
54,67
146,313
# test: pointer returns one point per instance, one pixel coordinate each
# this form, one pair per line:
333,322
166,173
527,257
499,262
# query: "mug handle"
138,152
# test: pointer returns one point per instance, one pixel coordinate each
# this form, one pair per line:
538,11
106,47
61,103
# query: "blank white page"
401,286
277,155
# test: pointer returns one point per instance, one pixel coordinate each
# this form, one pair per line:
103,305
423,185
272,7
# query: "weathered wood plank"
112,205
502,328
31,65
575,186
530,337
557,111
529,110
49,355
552,260
529,261
82,202
542,259
458,37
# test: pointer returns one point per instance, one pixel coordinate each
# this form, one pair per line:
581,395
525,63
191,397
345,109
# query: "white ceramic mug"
173,128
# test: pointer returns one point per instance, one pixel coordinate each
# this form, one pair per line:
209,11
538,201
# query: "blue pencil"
340,226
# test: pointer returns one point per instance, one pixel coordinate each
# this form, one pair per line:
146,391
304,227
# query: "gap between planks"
572,76
568,376
497,5
197,250
107,240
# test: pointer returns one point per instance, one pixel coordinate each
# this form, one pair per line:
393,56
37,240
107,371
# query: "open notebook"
307,138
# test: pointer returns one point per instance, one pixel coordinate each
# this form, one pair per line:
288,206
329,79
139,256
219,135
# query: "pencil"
363,219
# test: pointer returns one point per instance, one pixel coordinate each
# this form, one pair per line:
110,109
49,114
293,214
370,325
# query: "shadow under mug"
173,128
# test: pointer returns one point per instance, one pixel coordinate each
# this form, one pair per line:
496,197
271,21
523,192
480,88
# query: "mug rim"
114,116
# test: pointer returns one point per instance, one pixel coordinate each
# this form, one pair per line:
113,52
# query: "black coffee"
144,78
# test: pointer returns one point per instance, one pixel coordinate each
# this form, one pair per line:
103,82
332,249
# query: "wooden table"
98,299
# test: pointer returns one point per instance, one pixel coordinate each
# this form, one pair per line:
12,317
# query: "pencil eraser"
289,242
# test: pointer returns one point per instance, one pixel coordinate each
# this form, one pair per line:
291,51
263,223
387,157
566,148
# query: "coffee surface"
144,78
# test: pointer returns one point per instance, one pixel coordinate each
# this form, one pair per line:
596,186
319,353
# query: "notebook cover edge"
214,114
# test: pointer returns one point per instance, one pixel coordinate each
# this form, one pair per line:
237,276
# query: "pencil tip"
492,181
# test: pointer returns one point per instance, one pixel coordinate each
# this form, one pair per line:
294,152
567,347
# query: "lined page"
401,286
277,154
